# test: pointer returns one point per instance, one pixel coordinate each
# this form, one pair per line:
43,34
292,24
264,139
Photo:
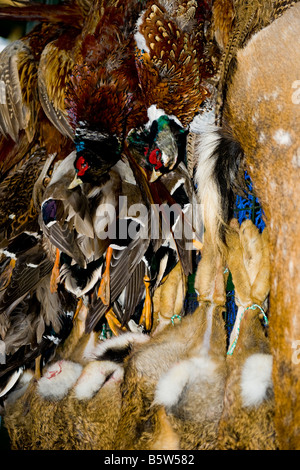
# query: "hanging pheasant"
103,97
169,62
89,92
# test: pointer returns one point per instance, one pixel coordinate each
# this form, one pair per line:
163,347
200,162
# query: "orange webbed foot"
55,273
146,316
104,289
114,323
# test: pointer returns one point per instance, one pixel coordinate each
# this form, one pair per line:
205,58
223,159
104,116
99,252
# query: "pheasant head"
161,143
100,107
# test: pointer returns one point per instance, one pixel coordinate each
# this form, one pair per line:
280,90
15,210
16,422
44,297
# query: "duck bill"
155,175
76,182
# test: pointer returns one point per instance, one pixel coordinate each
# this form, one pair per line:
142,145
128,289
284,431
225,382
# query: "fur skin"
256,379
82,420
260,106
175,390
168,298
262,115
247,421
179,368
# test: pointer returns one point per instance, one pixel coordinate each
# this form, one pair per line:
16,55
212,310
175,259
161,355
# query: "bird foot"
55,273
146,316
114,323
78,308
104,289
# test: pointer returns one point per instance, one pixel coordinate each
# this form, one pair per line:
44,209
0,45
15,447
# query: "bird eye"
81,166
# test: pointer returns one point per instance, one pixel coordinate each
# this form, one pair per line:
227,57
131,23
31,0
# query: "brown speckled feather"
54,71
168,63
223,17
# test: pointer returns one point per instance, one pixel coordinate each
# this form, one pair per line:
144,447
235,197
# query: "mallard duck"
85,253
148,245
28,310
33,321
88,223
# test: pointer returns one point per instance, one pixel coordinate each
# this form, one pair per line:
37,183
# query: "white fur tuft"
172,383
256,379
58,380
118,342
207,188
94,376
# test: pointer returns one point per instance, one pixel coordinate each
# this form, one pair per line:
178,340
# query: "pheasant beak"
155,175
76,182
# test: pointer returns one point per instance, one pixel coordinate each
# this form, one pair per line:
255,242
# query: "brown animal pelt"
30,420
247,421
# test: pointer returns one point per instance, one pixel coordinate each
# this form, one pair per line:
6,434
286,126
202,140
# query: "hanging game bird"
94,119
167,57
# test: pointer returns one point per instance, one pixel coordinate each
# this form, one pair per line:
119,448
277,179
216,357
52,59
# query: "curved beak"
76,182
155,175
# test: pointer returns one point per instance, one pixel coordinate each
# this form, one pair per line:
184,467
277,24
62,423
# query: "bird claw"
55,273
78,308
104,289
146,316
114,323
